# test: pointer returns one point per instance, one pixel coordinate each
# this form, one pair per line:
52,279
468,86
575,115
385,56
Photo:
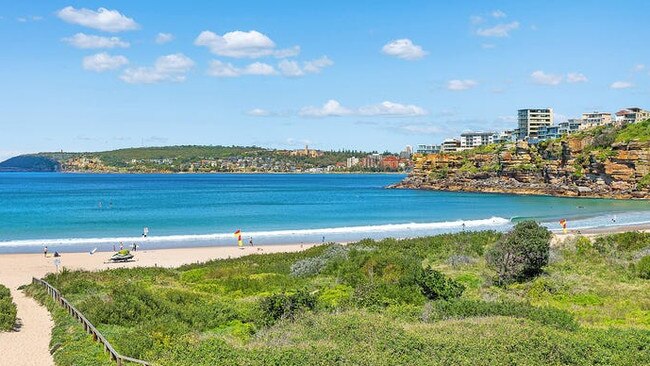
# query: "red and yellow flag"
240,243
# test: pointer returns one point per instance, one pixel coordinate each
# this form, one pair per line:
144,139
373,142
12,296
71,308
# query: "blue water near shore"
78,212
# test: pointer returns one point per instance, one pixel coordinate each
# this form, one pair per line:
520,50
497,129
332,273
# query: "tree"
521,254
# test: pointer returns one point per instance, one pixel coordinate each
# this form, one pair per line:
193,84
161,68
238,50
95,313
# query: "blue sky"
97,75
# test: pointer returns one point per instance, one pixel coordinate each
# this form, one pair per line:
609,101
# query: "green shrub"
465,308
521,254
286,306
622,242
644,182
643,267
583,245
435,285
7,310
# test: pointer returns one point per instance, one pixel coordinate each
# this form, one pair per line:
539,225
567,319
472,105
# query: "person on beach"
250,242
121,246
134,247
45,251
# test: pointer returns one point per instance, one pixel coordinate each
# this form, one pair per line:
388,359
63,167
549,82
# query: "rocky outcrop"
572,167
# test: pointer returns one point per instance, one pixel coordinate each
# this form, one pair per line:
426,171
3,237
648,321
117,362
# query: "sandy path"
30,345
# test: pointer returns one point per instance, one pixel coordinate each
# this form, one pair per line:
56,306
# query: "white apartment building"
530,120
428,149
469,140
569,126
450,145
353,161
632,115
505,136
595,119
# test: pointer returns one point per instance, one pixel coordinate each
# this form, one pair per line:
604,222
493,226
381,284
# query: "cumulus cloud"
457,85
221,69
499,30
387,108
621,85
172,67
329,109
102,19
291,68
258,112
103,62
85,41
540,77
238,44
162,38
576,77
404,49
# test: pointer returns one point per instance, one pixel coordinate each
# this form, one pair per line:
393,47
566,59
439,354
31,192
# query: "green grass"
365,307
635,132
7,310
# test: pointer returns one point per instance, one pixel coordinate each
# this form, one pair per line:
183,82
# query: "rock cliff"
600,163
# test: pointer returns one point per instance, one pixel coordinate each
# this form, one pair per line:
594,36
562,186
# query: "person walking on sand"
45,251
250,242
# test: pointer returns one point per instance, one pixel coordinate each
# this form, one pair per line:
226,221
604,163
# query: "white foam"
388,228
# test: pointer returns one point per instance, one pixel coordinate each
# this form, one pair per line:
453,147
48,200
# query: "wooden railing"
88,326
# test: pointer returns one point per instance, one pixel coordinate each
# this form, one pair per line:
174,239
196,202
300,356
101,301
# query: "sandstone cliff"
596,164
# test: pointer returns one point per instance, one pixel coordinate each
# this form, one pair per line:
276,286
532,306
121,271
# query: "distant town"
534,126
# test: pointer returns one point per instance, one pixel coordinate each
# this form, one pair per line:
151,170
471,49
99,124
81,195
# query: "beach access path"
29,345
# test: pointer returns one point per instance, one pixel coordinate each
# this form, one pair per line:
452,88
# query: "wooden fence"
88,326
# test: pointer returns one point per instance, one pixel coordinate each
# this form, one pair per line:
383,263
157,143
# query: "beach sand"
30,344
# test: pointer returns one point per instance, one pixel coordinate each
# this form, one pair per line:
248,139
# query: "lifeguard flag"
563,224
238,236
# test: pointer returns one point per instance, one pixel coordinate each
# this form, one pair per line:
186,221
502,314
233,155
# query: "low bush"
643,267
286,306
312,266
435,285
622,242
464,308
521,254
7,310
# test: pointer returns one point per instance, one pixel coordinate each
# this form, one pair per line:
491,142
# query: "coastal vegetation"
427,301
7,310
192,158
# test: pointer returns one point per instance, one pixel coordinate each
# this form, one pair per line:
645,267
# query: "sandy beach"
35,323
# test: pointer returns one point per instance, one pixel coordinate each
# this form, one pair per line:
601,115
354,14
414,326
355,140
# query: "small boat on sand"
123,255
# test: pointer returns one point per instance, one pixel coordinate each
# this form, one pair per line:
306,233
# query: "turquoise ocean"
80,212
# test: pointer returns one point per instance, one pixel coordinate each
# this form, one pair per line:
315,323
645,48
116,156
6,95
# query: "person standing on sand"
250,242
121,246
45,251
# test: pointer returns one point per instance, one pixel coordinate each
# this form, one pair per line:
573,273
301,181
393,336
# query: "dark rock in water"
30,163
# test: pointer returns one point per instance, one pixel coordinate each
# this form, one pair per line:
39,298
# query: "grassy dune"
363,304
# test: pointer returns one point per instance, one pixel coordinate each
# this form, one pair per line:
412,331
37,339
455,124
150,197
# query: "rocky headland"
607,162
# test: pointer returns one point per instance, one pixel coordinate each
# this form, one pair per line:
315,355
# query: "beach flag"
240,243
563,224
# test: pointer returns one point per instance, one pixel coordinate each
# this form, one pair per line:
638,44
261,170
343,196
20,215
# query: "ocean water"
79,212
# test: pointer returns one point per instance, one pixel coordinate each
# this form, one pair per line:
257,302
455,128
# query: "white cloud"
404,49
392,109
540,77
330,108
387,109
103,62
457,85
172,67
576,77
315,66
102,19
258,112
498,14
499,30
621,85
639,67
85,41
292,68
475,19
238,44
162,38
221,69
